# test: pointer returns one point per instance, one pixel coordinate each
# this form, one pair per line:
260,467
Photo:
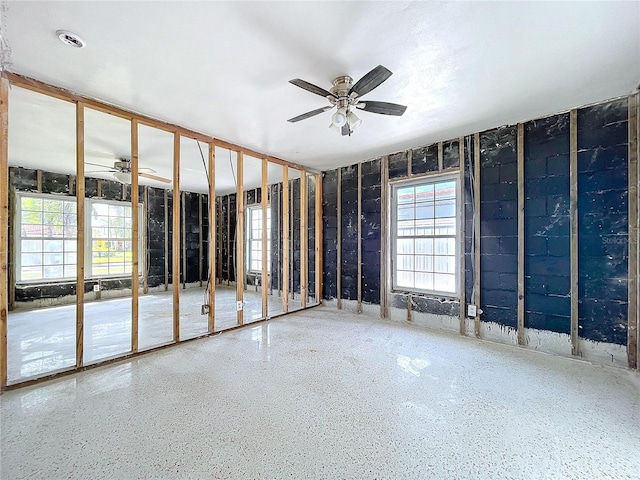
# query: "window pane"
406,227
53,245
30,259
445,190
52,206
424,193
405,246
53,258
31,218
405,212
406,195
31,273
405,262
424,245
424,210
444,282
53,271
424,281
446,208
445,264
31,245
445,246
405,279
70,245
33,204
424,263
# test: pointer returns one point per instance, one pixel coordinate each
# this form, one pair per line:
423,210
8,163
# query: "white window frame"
249,238
424,180
17,222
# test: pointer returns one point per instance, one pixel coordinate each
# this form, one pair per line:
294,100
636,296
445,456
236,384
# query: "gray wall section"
602,220
25,180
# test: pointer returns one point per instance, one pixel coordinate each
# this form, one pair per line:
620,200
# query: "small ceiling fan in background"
345,95
122,171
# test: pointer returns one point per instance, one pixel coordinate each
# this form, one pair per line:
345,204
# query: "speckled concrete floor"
326,394
43,340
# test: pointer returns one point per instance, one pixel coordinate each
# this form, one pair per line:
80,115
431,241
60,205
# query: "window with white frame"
254,238
425,236
47,243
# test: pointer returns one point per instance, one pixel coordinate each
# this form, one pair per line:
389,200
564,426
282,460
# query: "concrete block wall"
603,223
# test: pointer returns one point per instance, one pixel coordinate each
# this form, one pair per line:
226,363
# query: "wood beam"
573,221
135,229
264,203
319,238
240,274
440,157
4,220
211,284
285,238
80,213
632,330
175,268
476,230
520,163
304,245
462,256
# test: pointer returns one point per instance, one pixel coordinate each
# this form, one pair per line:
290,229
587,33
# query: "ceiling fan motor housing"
342,86
122,165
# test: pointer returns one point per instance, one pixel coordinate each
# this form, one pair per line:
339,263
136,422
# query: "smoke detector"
71,39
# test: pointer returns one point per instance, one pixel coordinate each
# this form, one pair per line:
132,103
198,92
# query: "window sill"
432,295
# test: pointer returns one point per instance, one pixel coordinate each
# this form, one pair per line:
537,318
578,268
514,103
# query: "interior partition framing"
176,243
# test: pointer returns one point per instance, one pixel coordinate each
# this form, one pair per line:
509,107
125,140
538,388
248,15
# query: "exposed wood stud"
183,223
476,230
264,203
279,230
39,181
4,220
409,300
240,273
440,157
339,242
410,163
384,249
520,153
98,187
285,238
359,286
71,183
145,274
200,248
166,241
292,272
462,256
12,243
573,221
219,233
304,244
80,222
632,331
637,294
175,268
135,228
229,240
211,283
124,192
319,237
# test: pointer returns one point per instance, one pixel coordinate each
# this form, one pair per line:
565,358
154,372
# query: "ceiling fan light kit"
345,95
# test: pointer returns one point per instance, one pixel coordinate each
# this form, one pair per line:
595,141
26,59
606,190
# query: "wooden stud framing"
200,252
240,238
145,273
292,271
264,203
175,269
409,163
166,241
229,240
384,226
183,222
211,284
285,238
135,229
39,181
319,237
476,230
98,188
520,153
632,330
218,231
573,220
4,220
461,215
80,237
11,262
440,157
359,285
339,242
304,244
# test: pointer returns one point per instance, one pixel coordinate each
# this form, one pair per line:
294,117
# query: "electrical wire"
205,299
473,219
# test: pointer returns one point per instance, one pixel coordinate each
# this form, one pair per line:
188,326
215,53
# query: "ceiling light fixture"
71,39
123,177
339,118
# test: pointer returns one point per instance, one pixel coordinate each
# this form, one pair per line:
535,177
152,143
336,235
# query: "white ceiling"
222,68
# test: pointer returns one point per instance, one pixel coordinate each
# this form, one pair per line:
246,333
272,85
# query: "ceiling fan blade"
154,177
345,130
146,170
101,171
312,113
370,81
383,108
311,88
98,165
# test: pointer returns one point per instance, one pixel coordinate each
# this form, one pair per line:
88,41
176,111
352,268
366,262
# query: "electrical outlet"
239,306
204,309
471,311
96,288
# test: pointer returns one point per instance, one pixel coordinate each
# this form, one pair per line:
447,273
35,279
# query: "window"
254,238
47,242
425,234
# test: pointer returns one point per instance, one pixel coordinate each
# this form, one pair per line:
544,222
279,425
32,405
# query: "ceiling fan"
345,95
122,171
